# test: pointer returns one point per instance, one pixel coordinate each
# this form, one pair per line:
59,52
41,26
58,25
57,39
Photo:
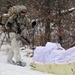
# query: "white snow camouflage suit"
15,31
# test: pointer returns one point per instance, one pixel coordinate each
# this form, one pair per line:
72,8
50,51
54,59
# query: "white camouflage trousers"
14,51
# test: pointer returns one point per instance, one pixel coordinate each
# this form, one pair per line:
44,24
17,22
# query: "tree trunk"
47,30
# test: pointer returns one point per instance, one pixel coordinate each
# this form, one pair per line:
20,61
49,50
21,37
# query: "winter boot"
19,63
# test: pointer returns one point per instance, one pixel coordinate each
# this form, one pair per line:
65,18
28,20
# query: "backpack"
12,10
5,18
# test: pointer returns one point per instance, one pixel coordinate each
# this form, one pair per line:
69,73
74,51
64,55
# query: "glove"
9,25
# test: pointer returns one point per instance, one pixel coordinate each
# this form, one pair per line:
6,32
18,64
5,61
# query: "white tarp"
37,52
53,52
47,53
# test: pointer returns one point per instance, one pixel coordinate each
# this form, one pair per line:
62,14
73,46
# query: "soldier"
17,26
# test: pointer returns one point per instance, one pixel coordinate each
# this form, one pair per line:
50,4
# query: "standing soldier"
17,25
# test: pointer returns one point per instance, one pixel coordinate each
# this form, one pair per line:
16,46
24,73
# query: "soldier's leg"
10,56
15,44
17,54
11,52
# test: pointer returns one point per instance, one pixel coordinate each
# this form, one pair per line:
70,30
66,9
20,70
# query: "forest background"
55,20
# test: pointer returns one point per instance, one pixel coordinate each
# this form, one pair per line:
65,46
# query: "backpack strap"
18,26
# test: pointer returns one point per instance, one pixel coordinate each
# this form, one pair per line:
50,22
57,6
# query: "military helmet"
22,9
17,9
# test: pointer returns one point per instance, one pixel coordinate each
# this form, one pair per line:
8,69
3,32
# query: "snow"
10,69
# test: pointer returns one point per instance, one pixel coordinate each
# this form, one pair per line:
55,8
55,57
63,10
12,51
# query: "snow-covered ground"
9,69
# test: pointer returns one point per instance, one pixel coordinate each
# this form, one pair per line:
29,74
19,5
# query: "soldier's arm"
9,22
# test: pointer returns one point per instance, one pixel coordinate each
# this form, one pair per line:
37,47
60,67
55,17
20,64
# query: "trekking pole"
2,41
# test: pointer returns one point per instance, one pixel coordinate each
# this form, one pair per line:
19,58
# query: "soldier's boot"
19,63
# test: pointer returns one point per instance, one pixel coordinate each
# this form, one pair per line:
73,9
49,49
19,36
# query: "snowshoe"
19,63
